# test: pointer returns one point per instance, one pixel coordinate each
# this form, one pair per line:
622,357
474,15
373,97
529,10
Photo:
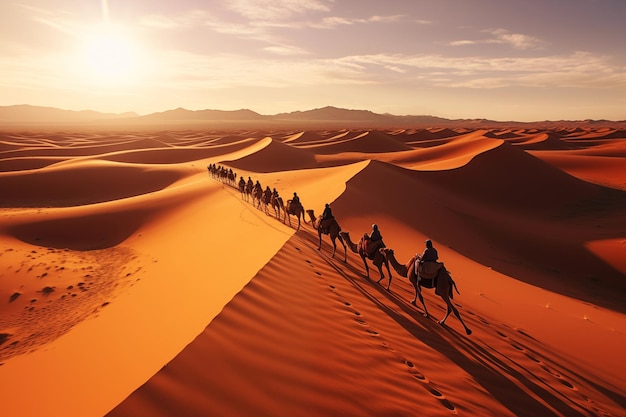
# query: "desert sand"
135,283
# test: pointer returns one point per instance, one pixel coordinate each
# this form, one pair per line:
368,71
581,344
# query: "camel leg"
319,233
380,271
345,250
367,268
334,246
413,282
452,308
419,294
382,276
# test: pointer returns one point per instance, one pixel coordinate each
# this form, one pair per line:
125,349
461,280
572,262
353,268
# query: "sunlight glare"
110,56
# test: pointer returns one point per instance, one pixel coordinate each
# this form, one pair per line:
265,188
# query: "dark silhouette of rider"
327,217
430,253
295,199
328,213
375,235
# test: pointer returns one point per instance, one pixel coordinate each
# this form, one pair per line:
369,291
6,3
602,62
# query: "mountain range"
329,116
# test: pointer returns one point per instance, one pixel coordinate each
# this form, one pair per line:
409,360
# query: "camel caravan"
422,271
262,199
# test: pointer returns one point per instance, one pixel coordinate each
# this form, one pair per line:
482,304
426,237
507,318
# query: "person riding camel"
242,183
430,253
257,186
327,218
275,194
295,199
428,265
373,241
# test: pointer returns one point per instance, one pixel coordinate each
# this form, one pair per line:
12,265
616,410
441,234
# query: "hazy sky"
498,59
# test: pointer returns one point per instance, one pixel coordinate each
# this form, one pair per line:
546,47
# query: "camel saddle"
325,224
370,247
293,205
429,270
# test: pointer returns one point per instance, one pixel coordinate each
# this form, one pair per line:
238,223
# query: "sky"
503,60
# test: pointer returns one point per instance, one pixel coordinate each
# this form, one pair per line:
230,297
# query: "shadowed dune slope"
93,148
27,163
82,183
275,156
453,153
601,170
366,142
173,156
546,141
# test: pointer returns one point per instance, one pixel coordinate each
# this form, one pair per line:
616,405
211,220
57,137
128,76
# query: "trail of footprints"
515,344
370,332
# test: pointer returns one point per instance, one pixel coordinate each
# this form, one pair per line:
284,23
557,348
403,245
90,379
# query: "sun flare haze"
109,56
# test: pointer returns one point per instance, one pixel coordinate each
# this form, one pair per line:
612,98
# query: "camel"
242,190
250,190
333,231
377,258
266,199
278,205
443,284
294,209
257,195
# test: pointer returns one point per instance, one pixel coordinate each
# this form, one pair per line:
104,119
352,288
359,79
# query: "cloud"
503,37
271,10
284,50
194,71
330,22
517,40
579,69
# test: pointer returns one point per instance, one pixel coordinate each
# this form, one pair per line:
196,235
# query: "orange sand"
133,283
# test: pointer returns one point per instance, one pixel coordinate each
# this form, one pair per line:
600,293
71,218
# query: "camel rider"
295,199
242,183
373,241
275,194
328,213
375,235
327,217
430,253
428,266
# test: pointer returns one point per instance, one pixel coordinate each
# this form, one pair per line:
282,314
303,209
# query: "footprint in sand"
502,334
432,390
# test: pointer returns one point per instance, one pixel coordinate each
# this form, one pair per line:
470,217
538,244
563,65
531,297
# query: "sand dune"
135,283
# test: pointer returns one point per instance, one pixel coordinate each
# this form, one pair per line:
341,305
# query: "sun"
109,55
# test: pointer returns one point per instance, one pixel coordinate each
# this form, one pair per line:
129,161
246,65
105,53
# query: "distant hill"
35,114
330,113
181,114
325,117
